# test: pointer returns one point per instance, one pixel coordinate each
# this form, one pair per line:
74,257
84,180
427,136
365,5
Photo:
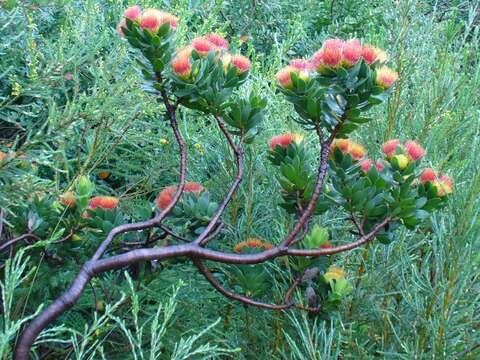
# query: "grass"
417,298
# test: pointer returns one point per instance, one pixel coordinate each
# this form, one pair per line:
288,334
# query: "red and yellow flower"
166,195
284,140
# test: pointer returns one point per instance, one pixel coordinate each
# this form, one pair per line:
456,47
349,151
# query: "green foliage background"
415,298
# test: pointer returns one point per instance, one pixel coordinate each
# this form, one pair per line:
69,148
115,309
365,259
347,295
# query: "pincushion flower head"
444,185
218,41
342,144
103,202
414,150
347,146
152,19
241,63
428,175
371,54
356,151
252,244
329,56
390,147
386,77
284,140
203,46
166,195
351,52
284,76
181,66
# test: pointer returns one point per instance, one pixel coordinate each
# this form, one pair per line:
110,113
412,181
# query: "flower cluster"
203,45
403,154
149,19
166,195
284,140
252,244
69,199
346,146
336,54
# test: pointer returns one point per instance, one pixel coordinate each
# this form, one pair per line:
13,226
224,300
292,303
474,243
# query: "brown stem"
192,250
238,152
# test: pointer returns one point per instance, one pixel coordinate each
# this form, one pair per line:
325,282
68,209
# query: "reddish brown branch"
230,294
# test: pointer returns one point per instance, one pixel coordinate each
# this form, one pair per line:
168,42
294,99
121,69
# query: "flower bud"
334,273
379,165
68,199
401,160
84,186
386,77
152,19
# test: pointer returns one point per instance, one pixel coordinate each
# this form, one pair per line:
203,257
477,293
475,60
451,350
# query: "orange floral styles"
390,147
241,63
342,144
166,195
133,13
386,77
103,202
357,151
414,150
428,175
284,140
366,165
218,41
252,244
181,66
152,19
351,52
202,46
444,186
371,54
68,199
347,146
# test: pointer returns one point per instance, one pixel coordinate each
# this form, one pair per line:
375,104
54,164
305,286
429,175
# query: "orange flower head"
166,195
2,156
300,64
428,175
379,165
351,52
386,77
414,150
181,66
218,41
284,77
254,243
202,46
366,165
68,199
103,202
357,151
390,147
342,144
241,63
444,186
152,19
133,13
284,140
238,248
185,51
369,54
